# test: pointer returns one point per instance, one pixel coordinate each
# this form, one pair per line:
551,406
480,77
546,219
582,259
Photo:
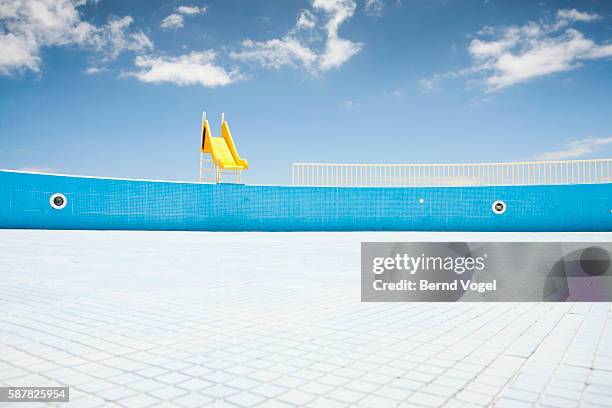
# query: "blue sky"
116,88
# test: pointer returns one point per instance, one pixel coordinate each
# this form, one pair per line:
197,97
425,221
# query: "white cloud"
18,52
577,148
26,26
350,105
195,68
575,15
337,50
276,53
313,43
306,20
172,21
374,8
114,40
506,56
395,93
191,10
431,84
519,54
428,84
176,19
94,70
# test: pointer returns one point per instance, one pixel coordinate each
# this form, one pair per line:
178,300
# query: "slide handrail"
227,136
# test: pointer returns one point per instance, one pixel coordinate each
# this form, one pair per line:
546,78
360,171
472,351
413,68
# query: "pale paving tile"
427,400
168,392
146,385
297,397
346,396
245,399
269,390
194,384
555,402
511,403
115,393
193,400
374,401
326,403
140,400
219,391
244,320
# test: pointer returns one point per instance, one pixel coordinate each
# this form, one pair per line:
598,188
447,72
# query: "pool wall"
117,204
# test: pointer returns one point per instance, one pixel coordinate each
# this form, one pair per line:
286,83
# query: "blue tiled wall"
143,205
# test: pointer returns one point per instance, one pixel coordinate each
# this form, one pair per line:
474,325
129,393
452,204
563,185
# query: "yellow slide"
221,149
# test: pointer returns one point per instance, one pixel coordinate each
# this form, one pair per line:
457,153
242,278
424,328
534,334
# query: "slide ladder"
218,155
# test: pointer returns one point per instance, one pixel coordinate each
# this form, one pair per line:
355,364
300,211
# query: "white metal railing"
479,174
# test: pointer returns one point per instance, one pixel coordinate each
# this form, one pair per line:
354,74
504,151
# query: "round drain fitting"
499,207
58,201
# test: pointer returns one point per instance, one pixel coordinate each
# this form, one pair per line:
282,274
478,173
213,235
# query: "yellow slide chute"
221,149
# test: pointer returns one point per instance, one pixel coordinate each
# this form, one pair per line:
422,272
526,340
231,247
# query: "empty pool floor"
139,319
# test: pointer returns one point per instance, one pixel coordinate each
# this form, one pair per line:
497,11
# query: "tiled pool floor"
139,319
